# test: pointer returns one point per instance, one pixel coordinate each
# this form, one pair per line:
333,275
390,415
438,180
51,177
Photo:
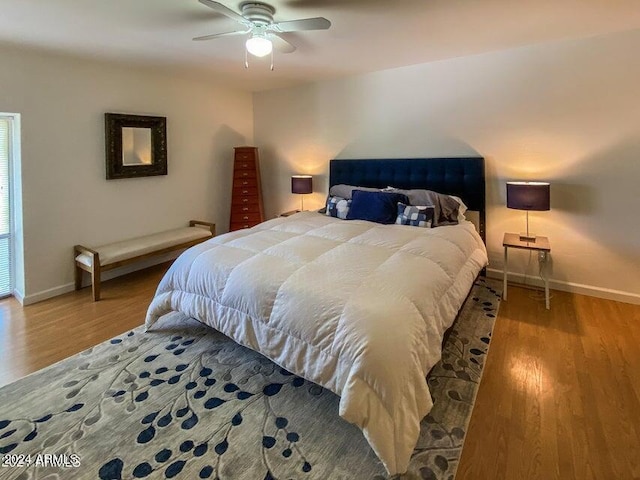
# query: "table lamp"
528,196
302,185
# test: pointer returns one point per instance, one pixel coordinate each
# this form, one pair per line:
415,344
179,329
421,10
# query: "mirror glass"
136,146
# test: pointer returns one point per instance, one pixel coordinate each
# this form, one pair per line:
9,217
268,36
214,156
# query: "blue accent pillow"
338,207
379,207
416,215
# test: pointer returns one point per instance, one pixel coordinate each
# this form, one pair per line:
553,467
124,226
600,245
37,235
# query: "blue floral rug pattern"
184,401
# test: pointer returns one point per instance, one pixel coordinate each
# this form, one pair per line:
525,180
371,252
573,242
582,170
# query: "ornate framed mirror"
136,145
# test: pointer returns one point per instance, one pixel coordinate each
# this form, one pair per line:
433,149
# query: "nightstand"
541,245
289,213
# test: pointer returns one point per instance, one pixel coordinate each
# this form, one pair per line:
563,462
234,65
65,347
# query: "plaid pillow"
338,207
415,215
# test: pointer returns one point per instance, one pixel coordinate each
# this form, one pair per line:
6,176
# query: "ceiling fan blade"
225,34
226,11
317,23
281,44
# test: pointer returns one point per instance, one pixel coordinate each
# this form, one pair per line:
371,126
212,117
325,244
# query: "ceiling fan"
264,34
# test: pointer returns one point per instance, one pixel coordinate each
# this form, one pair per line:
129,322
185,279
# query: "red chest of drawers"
246,197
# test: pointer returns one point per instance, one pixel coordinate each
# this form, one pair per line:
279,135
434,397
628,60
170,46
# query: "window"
6,264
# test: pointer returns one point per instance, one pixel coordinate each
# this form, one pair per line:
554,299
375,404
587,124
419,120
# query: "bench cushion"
115,252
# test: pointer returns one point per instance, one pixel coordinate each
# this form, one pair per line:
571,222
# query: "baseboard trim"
46,294
18,296
590,290
607,293
108,275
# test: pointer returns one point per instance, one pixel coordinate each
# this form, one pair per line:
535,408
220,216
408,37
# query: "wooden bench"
107,257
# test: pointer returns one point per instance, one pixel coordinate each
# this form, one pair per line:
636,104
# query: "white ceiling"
366,35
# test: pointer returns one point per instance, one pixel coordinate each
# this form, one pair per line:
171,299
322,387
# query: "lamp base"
530,237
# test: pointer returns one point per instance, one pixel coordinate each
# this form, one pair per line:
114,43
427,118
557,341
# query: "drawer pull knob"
245,183
245,165
245,200
245,191
245,209
245,218
245,174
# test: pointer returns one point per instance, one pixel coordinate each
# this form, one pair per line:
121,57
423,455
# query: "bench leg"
95,282
78,277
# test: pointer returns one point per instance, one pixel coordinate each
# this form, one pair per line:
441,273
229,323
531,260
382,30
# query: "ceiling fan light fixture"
259,46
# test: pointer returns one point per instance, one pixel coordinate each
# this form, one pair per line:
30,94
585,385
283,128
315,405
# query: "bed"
357,307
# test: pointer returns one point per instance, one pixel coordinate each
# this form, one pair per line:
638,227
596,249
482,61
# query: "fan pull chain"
246,59
272,60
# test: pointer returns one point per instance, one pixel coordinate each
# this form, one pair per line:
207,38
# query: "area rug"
184,401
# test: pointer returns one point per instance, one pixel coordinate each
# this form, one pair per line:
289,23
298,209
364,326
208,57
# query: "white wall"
566,112
66,198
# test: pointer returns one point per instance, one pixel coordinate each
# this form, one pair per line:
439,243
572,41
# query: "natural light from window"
6,281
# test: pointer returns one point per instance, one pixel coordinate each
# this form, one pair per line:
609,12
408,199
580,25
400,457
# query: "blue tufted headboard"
463,177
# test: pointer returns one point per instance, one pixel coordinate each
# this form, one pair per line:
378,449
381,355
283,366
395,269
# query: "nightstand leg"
546,293
504,275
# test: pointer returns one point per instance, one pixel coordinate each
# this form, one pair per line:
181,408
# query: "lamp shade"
301,184
528,195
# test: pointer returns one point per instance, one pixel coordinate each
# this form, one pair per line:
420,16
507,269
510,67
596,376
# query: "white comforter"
357,307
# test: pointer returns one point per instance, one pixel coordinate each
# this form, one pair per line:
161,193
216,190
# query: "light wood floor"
559,398
41,334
